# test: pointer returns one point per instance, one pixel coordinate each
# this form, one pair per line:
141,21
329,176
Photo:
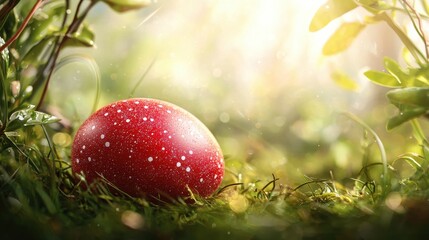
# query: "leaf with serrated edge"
29,117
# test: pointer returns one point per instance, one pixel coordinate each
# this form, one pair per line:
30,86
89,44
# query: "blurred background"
252,72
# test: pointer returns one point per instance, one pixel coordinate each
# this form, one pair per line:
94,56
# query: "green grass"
40,199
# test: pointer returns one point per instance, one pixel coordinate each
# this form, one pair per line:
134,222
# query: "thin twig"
410,45
77,20
142,78
5,10
22,27
268,184
309,182
419,28
227,186
385,177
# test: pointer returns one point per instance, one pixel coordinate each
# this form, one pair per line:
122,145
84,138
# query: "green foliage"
413,80
344,81
3,76
342,38
126,5
331,10
41,198
28,117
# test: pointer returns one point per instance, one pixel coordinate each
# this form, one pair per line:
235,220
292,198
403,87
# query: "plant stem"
418,132
142,78
74,26
404,38
7,8
419,29
385,178
23,25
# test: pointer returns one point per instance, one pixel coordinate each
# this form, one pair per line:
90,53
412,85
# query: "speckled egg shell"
147,147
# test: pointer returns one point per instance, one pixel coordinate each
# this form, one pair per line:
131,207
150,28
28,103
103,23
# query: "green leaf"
342,38
382,78
425,151
374,6
36,54
44,25
84,37
393,68
6,12
29,117
426,6
414,96
126,5
5,52
46,199
344,81
398,77
418,77
8,24
329,11
414,51
404,116
4,65
41,118
42,28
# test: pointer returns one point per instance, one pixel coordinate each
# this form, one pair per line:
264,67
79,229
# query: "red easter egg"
148,148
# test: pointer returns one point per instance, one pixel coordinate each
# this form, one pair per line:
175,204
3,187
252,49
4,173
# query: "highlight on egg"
148,148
